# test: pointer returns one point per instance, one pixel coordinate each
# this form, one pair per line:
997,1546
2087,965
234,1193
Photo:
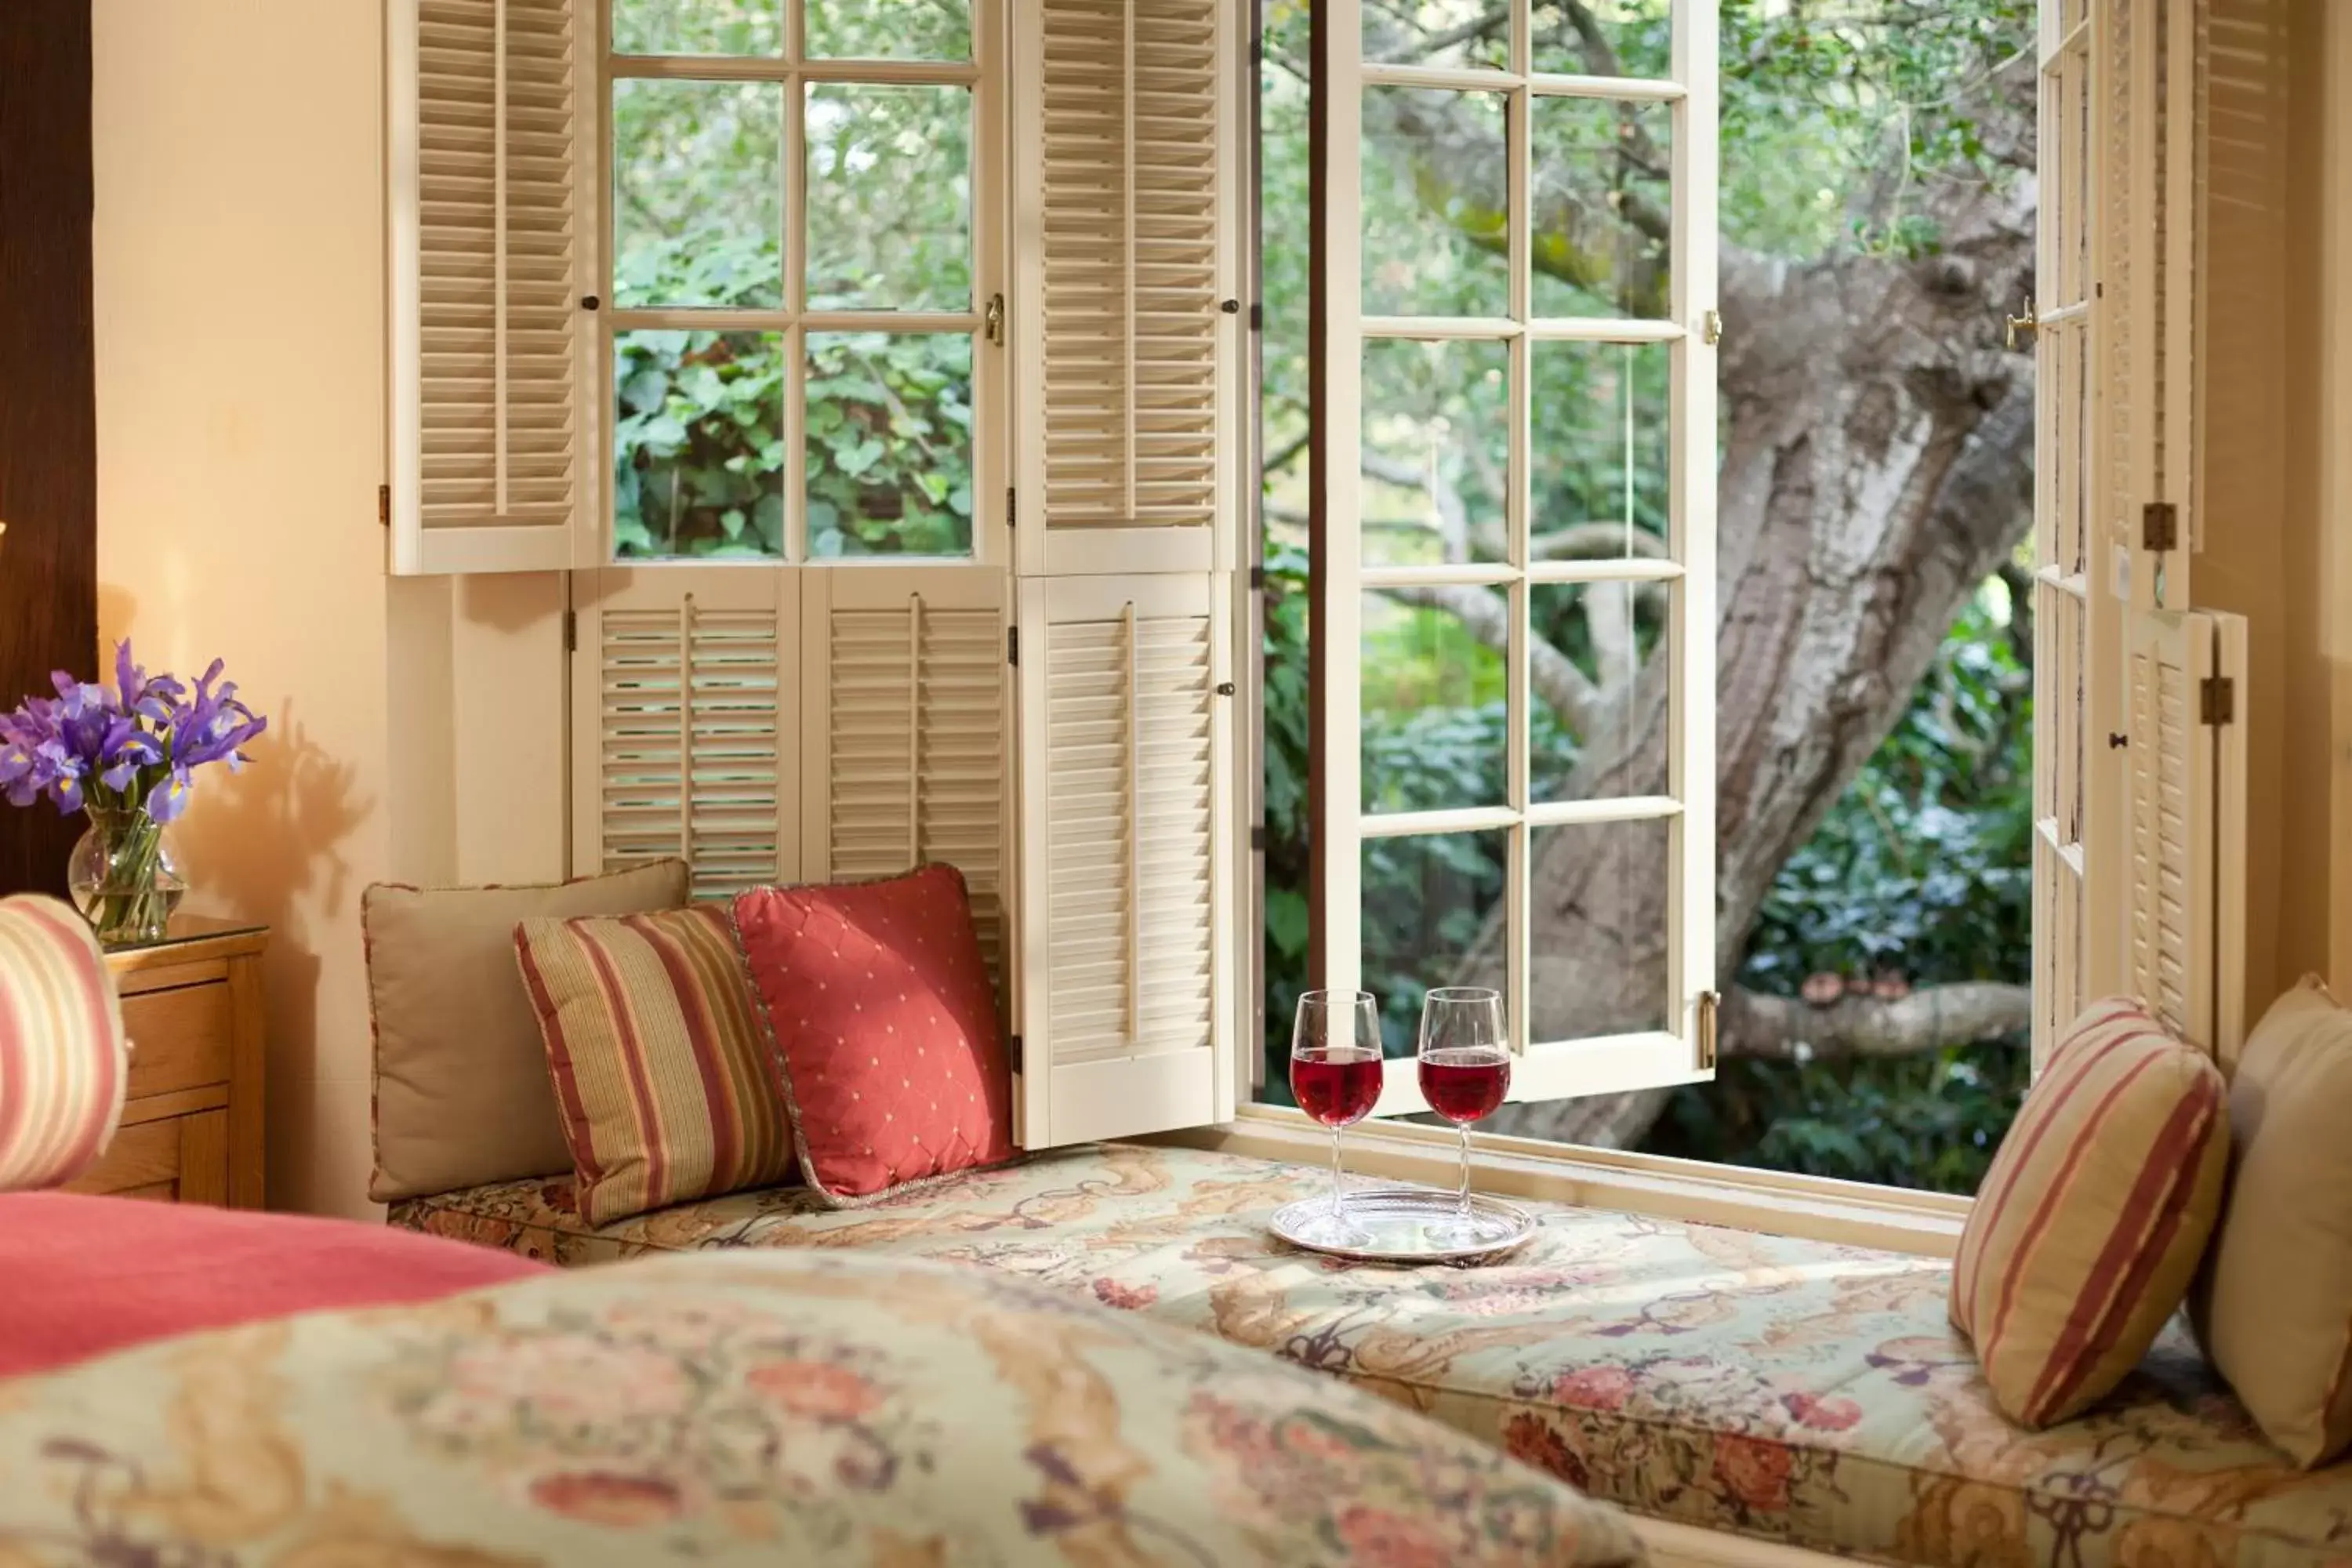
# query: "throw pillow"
884,1025
659,1066
2088,1228
63,1063
2274,1306
461,1091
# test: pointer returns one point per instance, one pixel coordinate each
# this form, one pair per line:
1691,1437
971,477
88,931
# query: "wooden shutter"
685,712
1126,352
2185,868
1126,805
906,751
490,237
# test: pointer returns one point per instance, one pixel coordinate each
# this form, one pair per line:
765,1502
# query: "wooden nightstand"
192,1122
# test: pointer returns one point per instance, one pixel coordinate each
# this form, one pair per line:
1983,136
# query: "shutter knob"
1231,307
589,302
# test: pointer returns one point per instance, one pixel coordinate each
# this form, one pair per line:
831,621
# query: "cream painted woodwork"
489,227
906,757
1128,334
1681,1050
1126,805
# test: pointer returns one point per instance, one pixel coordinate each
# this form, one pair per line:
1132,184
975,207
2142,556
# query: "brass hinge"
1012,506
1257,838
571,630
1012,645
995,320
1710,327
384,505
2217,699
1708,1004
2159,526
1012,1049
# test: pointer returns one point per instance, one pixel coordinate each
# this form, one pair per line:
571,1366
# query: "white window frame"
1545,1069
985,75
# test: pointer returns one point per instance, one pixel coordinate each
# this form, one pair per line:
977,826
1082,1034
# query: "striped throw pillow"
661,1073
63,1062
2090,1223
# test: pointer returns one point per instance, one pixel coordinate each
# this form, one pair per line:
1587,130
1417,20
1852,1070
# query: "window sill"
1817,1209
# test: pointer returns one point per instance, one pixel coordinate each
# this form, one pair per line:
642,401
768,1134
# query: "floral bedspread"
792,1408
1785,1389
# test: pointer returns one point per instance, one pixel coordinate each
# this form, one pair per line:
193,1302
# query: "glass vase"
122,876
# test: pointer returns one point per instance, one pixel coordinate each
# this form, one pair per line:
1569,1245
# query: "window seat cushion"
1793,1390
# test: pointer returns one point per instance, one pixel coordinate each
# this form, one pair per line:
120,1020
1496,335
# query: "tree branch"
1487,617
1784,1028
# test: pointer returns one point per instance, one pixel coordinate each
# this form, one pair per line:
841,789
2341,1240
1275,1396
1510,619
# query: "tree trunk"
1877,467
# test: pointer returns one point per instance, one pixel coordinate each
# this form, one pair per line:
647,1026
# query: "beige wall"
415,726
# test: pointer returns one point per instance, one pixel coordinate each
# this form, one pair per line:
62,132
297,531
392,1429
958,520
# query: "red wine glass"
1335,1073
1465,1071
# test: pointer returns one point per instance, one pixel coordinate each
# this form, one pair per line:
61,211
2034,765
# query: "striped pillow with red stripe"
2090,1223
660,1073
63,1062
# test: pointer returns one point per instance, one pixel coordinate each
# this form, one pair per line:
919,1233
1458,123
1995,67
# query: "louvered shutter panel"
906,757
1127,356
1127,809
2186,862
489,240
686,718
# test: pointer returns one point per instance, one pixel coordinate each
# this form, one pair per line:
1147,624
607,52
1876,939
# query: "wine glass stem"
1461,1196
1336,1189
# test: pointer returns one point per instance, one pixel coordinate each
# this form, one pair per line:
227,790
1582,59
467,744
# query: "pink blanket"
81,1275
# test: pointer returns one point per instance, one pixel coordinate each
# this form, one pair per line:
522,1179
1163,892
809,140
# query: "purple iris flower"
137,744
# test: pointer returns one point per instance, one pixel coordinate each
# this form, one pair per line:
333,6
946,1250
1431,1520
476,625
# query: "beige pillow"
462,1096
2274,1306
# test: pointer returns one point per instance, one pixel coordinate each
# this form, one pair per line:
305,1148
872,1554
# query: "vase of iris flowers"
126,759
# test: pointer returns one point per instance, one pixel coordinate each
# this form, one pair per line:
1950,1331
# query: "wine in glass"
1465,1071
1335,1073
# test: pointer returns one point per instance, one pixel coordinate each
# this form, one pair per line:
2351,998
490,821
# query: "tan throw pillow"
2089,1226
2274,1306
661,1070
462,1097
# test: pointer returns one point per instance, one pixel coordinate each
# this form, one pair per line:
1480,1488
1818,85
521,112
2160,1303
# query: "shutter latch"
1012,1049
1012,645
1709,1004
2159,526
2217,700
995,320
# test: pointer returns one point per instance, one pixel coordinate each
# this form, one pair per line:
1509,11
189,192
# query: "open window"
1598,803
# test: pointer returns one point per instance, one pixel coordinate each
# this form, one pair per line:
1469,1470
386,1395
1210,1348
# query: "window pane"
890,29
1602,190
1432,915
1435,203
698,444
1603,38
889,444
698,194
889,190
1435,716
1597,929
1598,667
1437,451
1600,454
1456,33
698,26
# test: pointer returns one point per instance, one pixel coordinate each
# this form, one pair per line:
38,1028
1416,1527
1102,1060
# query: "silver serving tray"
1405,1224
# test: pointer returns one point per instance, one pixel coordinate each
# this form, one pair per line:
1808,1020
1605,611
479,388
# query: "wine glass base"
1327,1229
1476,1228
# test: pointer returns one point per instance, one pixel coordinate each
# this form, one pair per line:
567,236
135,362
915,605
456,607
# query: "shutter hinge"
2217,699
1709,1004
1257,579
1257,316
571,630
2159,526
1012,506
995,320
1258,838
1012,1049
1012,645
384,505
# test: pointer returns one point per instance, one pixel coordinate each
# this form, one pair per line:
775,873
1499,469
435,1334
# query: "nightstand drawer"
178,1158
180,1038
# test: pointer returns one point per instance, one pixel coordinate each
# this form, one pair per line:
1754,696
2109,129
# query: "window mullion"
795,200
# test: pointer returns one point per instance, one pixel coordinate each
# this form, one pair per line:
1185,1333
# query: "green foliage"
1921,870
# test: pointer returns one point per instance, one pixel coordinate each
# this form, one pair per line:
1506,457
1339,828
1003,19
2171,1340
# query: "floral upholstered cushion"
776,1409
1791,1390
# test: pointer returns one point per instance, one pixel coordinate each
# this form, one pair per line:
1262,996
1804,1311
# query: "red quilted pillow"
884,1029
